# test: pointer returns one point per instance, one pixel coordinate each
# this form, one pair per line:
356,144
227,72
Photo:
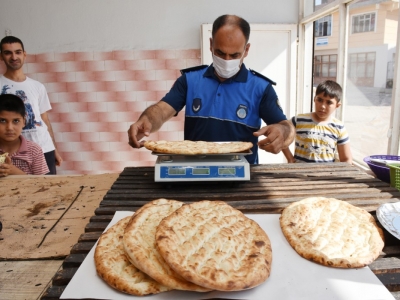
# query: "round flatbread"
195,148
216,246
114,267
139,244
332,232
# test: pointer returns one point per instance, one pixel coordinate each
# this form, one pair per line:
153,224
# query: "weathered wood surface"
270,190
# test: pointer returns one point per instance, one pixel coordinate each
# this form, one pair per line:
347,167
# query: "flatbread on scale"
187,147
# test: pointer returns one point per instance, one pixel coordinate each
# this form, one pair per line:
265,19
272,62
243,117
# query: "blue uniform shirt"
225,111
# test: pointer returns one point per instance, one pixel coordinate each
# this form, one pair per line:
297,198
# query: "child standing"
25,157
319,134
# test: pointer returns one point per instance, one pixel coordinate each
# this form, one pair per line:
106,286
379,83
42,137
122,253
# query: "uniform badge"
241,111
196,105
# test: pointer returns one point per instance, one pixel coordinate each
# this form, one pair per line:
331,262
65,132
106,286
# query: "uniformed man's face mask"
226,68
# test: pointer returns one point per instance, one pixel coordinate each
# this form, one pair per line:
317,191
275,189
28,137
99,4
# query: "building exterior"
371,44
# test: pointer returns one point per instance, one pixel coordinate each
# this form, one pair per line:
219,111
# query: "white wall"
106,25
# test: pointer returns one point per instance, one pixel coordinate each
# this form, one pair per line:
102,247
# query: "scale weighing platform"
211,167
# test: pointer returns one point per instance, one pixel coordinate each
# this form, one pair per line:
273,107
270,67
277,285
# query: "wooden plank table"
271,188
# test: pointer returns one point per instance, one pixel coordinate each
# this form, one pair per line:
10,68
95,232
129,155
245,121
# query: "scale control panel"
208,169
202,172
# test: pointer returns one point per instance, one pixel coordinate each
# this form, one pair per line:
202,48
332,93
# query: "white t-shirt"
36,102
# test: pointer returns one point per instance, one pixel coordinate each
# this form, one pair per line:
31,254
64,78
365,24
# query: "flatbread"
3,157
216,246
332,232
114,267
194,148
139,244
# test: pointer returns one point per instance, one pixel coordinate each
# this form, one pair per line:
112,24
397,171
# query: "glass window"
370,69
318,4
311,6
368,94
323,26
325,68
363,23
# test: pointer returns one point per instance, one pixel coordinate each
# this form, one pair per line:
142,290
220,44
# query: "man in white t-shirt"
34,95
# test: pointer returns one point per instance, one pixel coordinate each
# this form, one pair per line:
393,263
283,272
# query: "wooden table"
271,188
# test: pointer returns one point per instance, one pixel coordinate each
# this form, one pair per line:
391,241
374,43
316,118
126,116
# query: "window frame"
364,14
306,55
331,26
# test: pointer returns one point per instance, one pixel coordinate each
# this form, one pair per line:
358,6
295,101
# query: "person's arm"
288,154
7,168
278,136
46,119
345,153
149,121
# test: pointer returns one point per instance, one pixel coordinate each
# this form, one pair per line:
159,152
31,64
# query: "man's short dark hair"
13,103
330,88
232,20
10,40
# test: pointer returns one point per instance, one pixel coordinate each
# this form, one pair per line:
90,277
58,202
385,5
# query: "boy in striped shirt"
319,134
25,157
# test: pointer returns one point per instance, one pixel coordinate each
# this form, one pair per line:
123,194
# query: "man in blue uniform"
224,101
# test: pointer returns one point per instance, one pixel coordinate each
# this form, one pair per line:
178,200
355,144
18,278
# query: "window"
323,26
324,68
361,68
363,23
366,67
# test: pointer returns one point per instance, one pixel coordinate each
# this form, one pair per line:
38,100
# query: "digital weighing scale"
211,167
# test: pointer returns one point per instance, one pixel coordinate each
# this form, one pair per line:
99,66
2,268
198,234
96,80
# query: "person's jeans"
51,162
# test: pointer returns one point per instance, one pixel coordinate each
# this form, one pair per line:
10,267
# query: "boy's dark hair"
232,20
10,40
13,103
330,88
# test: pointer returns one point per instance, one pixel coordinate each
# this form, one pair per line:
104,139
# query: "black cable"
52,227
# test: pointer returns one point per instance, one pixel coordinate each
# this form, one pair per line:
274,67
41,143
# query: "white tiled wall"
96,96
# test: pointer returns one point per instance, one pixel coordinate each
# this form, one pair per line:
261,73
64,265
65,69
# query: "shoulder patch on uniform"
262,76
193,69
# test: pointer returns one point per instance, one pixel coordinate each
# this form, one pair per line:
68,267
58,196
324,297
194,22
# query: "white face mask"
226,68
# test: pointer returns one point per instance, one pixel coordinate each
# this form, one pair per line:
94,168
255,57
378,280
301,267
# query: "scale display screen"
176,171
227,171
201,171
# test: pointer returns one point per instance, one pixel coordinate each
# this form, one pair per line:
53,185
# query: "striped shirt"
317,142
29,158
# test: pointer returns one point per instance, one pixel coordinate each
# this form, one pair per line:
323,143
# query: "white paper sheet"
292,277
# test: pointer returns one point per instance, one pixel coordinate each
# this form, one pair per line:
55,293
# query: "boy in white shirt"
38,127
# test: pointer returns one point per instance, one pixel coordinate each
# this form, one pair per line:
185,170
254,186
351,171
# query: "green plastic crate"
394,175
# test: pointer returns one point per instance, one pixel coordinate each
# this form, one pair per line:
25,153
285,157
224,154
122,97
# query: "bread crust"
114,267
216,246
139,244
187,147
332,232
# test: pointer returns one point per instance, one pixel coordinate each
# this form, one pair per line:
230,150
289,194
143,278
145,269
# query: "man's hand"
150,121
58,158
278,136
137,131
